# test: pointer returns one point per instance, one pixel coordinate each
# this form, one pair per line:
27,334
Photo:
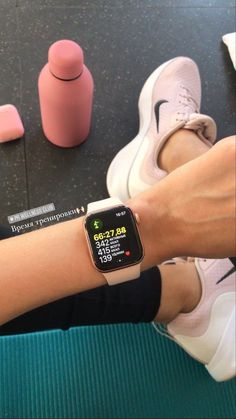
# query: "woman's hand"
192,211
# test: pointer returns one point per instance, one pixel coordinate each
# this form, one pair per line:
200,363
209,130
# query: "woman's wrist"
158,232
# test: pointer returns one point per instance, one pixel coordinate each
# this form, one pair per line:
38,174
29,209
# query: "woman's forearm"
190,212
48,264
42,266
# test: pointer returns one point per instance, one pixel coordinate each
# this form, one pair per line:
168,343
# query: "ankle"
181,291
182,146
193,289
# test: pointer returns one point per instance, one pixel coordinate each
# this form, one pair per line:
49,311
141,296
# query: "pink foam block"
11,126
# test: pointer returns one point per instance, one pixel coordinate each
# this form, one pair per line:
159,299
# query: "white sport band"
103,204
123,274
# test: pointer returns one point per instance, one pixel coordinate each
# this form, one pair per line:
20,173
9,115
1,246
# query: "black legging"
133,301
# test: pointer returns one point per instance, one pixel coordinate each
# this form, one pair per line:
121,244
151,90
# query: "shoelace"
187,101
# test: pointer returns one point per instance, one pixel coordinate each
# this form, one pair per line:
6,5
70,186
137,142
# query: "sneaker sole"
123,162
223,364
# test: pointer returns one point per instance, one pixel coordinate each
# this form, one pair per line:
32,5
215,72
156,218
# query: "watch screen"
114,238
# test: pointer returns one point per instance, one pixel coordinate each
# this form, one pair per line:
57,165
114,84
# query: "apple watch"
113,240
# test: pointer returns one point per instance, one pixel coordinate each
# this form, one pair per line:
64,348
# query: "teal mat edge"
116,371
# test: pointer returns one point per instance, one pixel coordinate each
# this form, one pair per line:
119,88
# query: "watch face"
114,238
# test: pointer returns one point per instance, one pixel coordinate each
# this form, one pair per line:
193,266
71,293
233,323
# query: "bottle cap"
65,59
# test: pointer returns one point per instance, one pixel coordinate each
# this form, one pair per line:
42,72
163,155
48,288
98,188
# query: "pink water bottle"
65,94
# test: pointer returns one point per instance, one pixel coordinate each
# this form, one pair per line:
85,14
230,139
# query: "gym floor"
123,42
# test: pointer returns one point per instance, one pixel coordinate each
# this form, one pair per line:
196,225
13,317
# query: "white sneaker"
208,333
169,100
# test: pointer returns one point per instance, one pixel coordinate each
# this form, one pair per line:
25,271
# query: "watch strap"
122,275
103,204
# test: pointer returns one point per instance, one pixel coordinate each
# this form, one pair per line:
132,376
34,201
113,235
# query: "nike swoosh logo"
231,271
157,111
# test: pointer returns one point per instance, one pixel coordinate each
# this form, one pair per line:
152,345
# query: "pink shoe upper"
176,102
200,331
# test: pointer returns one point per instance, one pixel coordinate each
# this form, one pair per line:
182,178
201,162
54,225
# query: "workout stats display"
114,239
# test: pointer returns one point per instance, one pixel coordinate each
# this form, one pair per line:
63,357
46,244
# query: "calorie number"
103,243
104,251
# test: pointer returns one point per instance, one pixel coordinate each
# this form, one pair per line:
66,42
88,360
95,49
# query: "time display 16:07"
110,233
